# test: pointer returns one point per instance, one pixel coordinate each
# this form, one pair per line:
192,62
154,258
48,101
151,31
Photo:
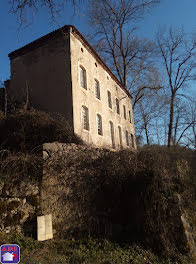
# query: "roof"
38,42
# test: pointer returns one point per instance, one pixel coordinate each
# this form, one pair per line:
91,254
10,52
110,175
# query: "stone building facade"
61,73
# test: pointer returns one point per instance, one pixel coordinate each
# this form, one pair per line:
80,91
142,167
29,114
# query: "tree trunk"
146,132
171,117
146,129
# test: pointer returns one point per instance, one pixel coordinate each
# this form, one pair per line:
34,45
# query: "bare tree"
192,138
148,111
178,54
185,124
20,8
128,56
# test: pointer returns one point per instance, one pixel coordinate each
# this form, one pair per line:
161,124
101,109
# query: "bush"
18,166
127,196
26,130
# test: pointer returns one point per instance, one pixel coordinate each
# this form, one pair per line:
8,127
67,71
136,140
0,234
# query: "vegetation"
158,74
129,196
20,8
134,199
85,251
118,200
26,130
19,163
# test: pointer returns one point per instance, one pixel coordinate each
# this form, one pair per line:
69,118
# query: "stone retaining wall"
19,204
69,177
22,201
58,187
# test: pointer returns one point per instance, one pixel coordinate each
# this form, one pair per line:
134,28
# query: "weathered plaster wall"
43,72
83,97
46,74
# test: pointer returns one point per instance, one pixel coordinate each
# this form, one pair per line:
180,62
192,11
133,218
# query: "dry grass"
85,251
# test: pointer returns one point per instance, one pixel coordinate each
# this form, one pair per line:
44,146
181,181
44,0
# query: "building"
61,73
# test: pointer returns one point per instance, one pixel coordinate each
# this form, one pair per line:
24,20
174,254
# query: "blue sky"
169,12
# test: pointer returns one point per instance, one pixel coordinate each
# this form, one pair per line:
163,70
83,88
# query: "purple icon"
10,253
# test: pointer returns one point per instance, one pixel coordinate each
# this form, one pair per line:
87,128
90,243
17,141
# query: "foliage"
26,130
84,251
128,196
20,165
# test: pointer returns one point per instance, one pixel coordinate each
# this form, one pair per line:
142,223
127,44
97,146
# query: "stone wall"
84,190
143,211
19,205
60,187
22,200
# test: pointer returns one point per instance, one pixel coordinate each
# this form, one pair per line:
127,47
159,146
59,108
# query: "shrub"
26,130
18,166
127,196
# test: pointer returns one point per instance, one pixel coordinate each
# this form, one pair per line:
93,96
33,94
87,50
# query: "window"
112,134
97,90
83,81
109,100
130,117
127,137
124,110
85,118
99,125
117,107
132,141
120,136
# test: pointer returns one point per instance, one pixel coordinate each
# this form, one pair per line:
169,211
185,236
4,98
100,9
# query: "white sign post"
44,227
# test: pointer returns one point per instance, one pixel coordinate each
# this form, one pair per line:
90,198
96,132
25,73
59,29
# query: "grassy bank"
86,251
